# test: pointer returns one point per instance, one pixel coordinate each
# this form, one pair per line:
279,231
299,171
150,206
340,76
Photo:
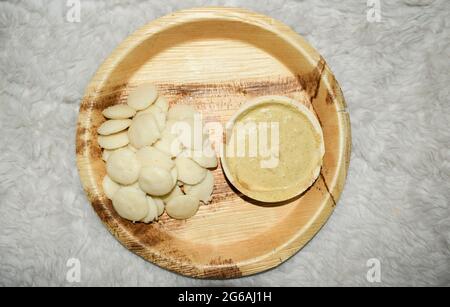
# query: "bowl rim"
272,99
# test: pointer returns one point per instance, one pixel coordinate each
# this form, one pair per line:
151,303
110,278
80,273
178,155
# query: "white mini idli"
142,96
205,158
143,131
202,190
150,156
176,191
109,187
106,153
159,205
119,111
156,180
158,114
162,103
113,141
130,203
113,126
189,171
123,167
174,174
182,207
152,211
169,144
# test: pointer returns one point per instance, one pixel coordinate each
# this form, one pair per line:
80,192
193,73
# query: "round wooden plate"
216,59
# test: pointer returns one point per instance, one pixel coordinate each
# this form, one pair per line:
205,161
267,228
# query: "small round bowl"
274,195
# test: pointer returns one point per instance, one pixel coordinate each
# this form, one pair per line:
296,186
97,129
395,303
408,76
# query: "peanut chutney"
285,170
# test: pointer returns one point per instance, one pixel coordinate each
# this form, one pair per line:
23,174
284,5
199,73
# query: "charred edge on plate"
310,82
221,268
85,142
334,93
249,87
102,207
328,189
105,98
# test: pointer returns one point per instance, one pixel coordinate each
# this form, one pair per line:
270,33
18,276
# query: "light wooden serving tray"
216,59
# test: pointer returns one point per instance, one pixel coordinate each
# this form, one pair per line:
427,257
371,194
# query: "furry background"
395,78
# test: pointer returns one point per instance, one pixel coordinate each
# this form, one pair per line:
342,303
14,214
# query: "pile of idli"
158,158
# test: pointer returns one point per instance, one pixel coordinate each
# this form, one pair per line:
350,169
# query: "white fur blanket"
395,75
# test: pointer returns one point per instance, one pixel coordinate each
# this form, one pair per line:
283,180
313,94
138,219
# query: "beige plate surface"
216,59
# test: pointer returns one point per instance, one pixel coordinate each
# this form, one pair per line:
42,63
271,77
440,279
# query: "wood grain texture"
216,59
